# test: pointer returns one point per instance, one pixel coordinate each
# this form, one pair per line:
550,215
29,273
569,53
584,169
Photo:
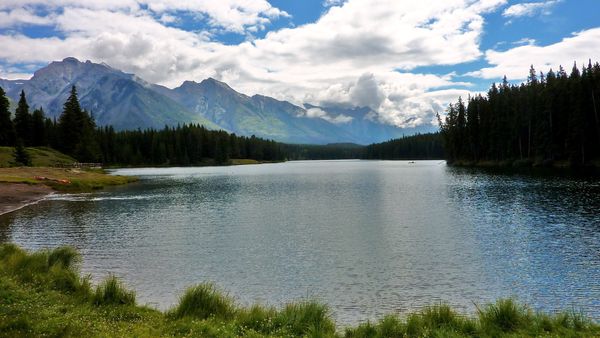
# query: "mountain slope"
257,115
126,101
115,98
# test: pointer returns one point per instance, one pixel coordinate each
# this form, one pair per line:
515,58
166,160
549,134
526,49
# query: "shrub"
203,301
504,315
65,256
112,292
257,318
304,318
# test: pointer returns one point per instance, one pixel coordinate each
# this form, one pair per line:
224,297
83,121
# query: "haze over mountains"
126,101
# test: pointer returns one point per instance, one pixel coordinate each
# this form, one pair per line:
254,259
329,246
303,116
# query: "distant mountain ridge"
126,101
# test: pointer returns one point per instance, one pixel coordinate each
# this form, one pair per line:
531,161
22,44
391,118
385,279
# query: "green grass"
40,157
79,180
204,301
43,160
43,294
112,292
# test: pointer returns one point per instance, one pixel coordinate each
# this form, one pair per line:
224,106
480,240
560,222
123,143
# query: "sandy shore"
14,196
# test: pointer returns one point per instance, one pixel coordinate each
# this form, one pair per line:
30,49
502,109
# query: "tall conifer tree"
7,130
22,120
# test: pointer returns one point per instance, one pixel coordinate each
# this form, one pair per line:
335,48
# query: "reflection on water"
366,237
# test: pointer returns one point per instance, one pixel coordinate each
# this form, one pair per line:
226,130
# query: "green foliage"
21,156
306,317
7,129
257,318
65,256
548,120
76,130
40,157
112,292
416,147
505,316
41,294
333,151
22,121
55,269
203,301
39,132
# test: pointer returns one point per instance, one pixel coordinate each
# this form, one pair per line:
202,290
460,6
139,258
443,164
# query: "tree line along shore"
43,294
552,119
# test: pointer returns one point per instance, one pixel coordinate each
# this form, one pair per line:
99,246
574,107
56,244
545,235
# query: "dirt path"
14,196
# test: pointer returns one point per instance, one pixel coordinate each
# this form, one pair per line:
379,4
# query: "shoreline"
49,296
16,196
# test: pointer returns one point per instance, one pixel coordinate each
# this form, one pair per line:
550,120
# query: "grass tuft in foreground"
43,294
204,301
112,292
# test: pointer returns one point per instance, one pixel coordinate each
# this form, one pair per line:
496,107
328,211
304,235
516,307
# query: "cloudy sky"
405,59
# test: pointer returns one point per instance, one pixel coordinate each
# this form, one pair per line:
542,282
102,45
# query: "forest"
428,146
76,134
551,119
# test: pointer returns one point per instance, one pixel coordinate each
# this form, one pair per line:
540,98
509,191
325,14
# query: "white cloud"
530,9
360,52
515,62
230,15
22,16
319,113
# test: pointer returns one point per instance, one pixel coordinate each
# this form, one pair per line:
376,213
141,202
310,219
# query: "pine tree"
22,120
87,149
38,128
68,124
21,155
7,130
77,131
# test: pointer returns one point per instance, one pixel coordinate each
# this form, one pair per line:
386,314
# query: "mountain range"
126,101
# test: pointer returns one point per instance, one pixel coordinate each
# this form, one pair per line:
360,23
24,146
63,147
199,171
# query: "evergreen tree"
68,124
7,130
38,128
550,117
87,149
21,155
22,120
76,130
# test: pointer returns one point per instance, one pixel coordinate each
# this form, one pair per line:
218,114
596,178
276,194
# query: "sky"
404,59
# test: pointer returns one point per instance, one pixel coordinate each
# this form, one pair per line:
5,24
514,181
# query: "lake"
365,237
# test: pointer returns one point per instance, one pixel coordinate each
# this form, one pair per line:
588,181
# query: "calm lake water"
365,237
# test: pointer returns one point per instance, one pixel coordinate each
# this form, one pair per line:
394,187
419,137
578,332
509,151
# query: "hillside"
40,157
128,102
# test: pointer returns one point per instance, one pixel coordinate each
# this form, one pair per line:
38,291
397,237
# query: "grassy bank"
43,161
43,294
65,180
40,157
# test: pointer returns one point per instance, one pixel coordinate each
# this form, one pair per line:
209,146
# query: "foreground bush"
204,301
112,292
43,294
